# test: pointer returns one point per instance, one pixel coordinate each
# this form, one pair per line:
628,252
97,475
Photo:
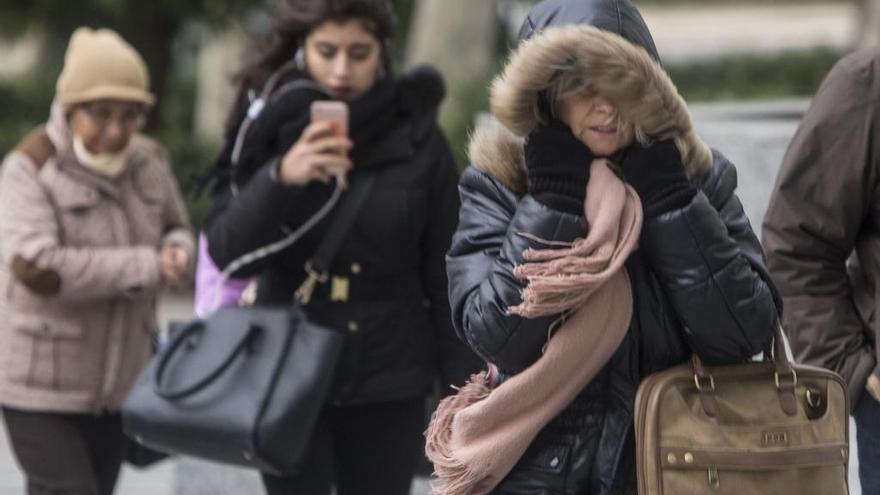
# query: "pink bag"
209,296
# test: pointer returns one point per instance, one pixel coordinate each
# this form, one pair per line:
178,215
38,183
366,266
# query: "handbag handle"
784,377
209,377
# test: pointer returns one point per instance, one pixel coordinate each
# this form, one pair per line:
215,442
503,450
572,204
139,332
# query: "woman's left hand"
657,174
650,168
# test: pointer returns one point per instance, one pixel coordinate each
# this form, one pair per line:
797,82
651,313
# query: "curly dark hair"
294,20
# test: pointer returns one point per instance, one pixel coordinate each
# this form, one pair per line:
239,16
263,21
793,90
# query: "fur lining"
609,65
499,153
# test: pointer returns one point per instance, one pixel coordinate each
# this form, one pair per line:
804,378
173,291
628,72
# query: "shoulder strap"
37,146
319,265
341,223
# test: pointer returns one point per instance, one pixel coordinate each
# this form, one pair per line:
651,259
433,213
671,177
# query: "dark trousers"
867,416
66,454
362,450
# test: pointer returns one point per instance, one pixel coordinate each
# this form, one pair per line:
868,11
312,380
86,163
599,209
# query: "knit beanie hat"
99,64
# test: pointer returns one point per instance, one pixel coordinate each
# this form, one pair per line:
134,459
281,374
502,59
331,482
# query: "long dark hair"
294,20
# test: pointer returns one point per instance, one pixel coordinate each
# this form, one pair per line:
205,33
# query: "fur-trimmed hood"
607,64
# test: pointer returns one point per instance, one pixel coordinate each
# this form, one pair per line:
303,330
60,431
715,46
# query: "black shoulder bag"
245,385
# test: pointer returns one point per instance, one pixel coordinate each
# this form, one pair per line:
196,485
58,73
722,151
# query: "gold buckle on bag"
701,387
794,379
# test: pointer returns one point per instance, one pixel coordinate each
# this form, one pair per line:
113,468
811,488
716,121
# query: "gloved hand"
558,165
657,174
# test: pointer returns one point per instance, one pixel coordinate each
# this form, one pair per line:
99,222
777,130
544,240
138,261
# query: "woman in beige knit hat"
91,225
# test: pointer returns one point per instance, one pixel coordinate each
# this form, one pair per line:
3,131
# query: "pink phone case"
332,111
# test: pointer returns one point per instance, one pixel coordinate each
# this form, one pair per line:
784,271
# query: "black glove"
657,175
558,165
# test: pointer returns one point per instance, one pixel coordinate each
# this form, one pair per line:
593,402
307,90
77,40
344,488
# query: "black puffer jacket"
399,332
699,285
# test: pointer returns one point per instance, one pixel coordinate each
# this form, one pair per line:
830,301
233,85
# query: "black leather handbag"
245,385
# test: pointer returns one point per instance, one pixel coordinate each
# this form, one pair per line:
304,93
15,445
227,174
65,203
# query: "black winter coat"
399,336
699,280
699,284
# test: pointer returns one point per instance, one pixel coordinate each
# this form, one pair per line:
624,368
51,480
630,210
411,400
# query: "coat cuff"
143,275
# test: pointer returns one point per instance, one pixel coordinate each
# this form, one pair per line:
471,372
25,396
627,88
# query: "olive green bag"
769,427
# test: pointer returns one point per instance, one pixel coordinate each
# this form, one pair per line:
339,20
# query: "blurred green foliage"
785,75
25,102
471,98
150,26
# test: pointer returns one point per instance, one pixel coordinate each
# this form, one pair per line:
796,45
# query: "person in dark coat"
699,280
823,244
386,289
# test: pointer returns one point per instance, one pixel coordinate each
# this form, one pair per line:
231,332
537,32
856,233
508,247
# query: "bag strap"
784,377
347,206
318,267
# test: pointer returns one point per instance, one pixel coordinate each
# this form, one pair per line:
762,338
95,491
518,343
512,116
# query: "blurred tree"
403,9
459,38
151,26
869,19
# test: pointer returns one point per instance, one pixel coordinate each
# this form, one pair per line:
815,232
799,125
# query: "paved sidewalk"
697,32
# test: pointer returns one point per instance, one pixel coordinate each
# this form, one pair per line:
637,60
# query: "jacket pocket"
542,470
45,328
44,352
76,198
550,458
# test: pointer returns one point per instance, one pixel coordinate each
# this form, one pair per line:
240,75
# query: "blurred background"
748,70
713,49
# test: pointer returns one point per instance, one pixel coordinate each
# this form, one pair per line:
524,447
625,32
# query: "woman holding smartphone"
386,287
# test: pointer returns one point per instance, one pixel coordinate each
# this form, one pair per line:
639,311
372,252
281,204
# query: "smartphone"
335,112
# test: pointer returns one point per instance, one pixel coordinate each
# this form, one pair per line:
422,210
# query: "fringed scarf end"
453,476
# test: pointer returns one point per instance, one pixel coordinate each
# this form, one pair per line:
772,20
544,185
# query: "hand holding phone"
336,113
321,152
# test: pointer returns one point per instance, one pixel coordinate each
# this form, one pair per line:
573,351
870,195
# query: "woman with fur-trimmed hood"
584,94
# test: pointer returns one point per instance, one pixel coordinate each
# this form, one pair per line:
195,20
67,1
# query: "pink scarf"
478,435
